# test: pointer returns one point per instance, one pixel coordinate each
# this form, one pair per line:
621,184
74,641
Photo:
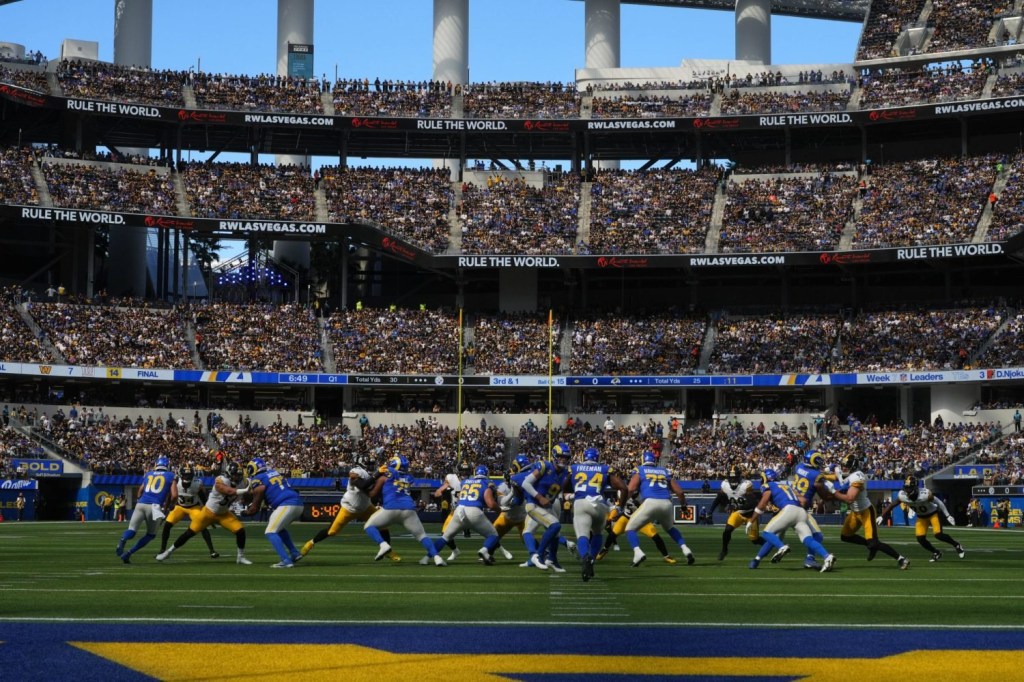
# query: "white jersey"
455,485
355,499
218,503
739,492
859,481
926,503
188,496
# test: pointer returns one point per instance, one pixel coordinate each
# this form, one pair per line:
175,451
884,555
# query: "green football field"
55,572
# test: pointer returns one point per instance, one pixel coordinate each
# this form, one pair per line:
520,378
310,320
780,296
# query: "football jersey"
396,491
545,475
276,490
804,478
355,499
782,494
588,479
471,494
654,482
189,495
218,502
510,497
742,498
859,481
925,505
156,487
455,485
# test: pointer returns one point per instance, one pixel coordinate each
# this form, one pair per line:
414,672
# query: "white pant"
469,517
382,518
150,514
538,517
282,517
791,516
588,515
652,511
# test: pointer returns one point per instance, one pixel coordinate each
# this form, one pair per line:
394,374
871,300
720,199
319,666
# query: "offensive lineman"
192,495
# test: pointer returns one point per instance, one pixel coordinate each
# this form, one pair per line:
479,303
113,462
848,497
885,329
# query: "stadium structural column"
133,46
294,25
602,37
754,30
451,56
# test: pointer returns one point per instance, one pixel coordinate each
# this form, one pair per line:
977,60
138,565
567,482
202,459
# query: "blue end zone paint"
27,660
44,641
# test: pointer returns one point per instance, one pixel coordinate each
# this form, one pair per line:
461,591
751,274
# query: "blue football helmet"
481,470
649,459
522,461
591,455
162,462
768,476
399,463
814,459
256,466
560,450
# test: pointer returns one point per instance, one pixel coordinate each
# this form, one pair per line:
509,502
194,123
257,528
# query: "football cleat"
240,559
829,563
781,552
602,554
485,556
638,557
214,555
296,558
283,564
723,554
809,562
505,553
904,563
755,562
535,561
394,557
935,557
668,559
120,548
126,557
438,561
425,560
588,568
872,552
385,549
571,546
163,556
455,554
554,566
960,552
690,559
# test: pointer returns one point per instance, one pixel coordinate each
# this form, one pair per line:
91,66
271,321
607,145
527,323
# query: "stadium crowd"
516,343
24,78
783,102
18,342
409,203
655,343
774,345
933,201
509,216
257,337
241,190
96,186
16,183
641,105
100,80
938,83
961,24
653,211
885,21
264,92
380,341
521,100
425,99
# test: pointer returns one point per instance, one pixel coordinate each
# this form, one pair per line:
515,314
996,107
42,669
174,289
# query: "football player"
927,507
854,491
355,506
790,514
808,481
475,493
740,497
656,487
157,488
541,485
449,490
226,489
397,506
285,508
192,495
590,509
512,502
615,525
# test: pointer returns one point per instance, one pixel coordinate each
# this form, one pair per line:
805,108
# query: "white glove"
951,520
242,491
750,524
830,486
878,521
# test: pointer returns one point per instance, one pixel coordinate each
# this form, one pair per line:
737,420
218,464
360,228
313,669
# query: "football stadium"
705,371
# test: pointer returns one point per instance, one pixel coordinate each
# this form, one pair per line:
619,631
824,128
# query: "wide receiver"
927,507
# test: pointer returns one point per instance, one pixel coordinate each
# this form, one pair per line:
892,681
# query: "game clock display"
320,511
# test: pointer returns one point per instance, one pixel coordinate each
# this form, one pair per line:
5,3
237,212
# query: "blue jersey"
471,494
804,477
588,479
276,490
395,494
654,482
783,494
547,481
156,486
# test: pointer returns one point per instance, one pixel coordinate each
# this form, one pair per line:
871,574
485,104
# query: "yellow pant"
855,520
207,518
179,513
344,516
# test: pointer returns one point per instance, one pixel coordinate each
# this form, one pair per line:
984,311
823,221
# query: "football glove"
750,524
878,521
951,520
830,486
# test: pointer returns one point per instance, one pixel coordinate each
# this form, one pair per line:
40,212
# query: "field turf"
71,608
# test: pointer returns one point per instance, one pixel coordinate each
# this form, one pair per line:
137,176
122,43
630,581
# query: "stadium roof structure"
837,10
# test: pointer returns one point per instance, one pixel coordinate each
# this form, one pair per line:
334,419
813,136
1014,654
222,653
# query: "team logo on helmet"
768,476
257,465
814,459
521,462
649,458
481,470
162,462
911,486
735,476
560,450
591,455
399,463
